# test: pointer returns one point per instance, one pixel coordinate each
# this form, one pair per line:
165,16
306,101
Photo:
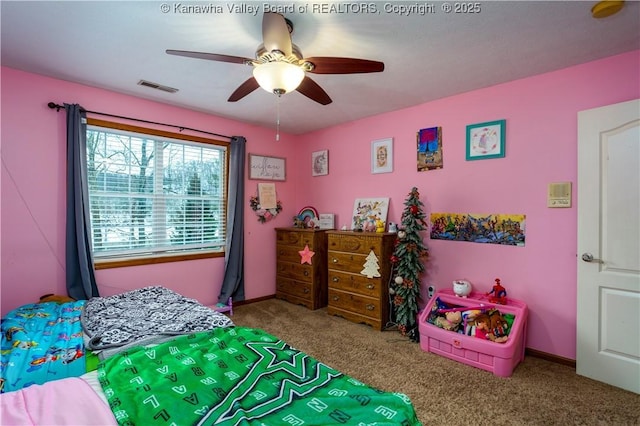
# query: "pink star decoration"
306,255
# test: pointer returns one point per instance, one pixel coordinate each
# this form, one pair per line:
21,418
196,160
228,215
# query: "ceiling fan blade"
209,56
313,91
329,65
275,33
244,89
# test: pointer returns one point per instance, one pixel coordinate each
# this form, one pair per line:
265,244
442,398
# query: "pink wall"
33,195
541,147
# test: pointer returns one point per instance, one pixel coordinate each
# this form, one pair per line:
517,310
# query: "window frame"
163,258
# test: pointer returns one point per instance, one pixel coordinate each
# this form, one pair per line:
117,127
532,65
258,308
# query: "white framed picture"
320,163
368,213
382,156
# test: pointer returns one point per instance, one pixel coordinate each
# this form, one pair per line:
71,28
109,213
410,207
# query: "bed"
171,360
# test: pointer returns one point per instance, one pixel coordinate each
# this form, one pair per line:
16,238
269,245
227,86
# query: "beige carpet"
444,392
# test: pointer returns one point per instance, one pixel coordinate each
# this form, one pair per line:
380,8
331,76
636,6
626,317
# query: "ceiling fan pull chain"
277,117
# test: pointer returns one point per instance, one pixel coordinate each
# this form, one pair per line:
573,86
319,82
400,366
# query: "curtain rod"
58,107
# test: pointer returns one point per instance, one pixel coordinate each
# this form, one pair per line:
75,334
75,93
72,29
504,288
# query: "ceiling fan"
279,66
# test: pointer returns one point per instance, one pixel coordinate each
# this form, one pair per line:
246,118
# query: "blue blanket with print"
41,342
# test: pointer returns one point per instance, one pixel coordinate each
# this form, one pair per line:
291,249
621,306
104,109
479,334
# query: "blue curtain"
81,280
233,283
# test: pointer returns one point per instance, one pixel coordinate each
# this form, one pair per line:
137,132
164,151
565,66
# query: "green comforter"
240,376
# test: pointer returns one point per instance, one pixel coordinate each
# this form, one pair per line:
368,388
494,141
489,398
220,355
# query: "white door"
608,330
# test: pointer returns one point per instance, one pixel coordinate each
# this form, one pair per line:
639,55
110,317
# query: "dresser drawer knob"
306,291
370,307
336,298
334,260
336,279
371,286
306,273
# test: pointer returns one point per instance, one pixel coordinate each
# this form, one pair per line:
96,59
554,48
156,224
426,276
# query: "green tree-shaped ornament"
407,260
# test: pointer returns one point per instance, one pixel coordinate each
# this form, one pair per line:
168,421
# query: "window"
154,196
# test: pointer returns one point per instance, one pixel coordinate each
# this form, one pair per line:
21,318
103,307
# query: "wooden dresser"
301,283
353,295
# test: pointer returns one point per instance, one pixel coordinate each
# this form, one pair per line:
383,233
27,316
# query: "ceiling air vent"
157,86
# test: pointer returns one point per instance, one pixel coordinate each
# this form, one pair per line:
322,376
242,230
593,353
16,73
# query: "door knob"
588,257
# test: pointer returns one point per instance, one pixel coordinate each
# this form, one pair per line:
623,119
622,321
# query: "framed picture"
382,156
486,140
367,212
267,195
320,163
429,143
266,168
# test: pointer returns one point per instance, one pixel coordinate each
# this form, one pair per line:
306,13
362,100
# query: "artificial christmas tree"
407,260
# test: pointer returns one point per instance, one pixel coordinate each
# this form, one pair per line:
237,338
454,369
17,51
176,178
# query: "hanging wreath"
264,215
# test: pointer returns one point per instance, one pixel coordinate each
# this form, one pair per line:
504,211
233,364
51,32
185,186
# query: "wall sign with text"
266,168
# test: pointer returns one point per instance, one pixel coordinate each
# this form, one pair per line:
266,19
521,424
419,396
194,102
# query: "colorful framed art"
429,143
367,212
486,140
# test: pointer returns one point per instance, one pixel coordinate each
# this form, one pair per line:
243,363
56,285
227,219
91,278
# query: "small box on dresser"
498,358
353,295
296,282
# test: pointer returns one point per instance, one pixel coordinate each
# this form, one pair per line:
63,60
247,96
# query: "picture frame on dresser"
367,211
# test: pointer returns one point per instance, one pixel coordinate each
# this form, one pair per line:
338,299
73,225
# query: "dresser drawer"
296,271
295,238
355,303
355,283
300,289
346,262
291,254
355,243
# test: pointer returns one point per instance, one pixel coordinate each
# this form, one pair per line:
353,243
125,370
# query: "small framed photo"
320,163
486,140
382,156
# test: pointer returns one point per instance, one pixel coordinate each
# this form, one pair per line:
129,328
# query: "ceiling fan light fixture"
606,8
278,77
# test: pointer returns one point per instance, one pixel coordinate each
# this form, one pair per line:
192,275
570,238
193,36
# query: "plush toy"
483,329
498,326
55,298
461,288
450,320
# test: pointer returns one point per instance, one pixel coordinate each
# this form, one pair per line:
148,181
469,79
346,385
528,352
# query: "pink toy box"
498,358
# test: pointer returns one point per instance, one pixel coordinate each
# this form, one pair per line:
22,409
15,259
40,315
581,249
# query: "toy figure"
450,321
483,330
499,293
461,288
498,326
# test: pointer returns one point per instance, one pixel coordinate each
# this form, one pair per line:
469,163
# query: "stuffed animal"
497,324
461,288
483,329
450,320
55,298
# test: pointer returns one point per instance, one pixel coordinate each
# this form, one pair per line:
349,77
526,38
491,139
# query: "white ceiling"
114,44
